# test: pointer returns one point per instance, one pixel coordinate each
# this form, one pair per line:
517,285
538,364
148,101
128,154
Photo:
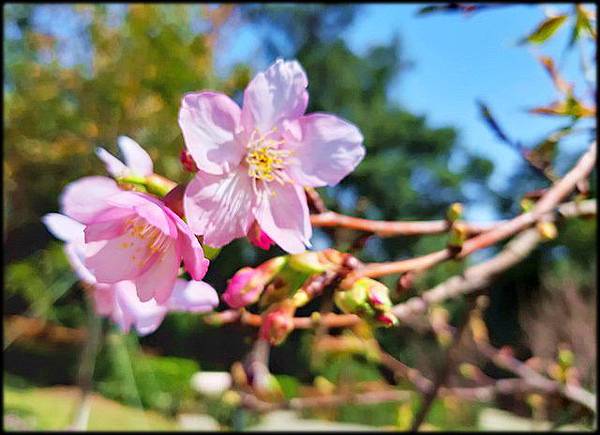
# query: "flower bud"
566,357
277,323
454,211
174,200
187,161
300,298
247,284
308,262
377,294
527,204
547,230
386,319
351,301
258,237
458,235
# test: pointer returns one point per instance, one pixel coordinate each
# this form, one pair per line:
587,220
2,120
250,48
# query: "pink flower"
137,160
136,237
254,162
84,198
79,202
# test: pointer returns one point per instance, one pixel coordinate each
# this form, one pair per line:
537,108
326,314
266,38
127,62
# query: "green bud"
566,358
527,205
547,230
454,211
458,235
308,262
352,301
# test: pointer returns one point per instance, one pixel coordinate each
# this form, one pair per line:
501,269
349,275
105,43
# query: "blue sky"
457,60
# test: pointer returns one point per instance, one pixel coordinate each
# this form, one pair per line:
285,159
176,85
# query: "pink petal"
107,224
103,296
63,227
191,251
82,199
219,207
284,217
158,280
149,208
136,158
209,121
114,166
273,95
124,257
146,316
193,296
329,149
76,255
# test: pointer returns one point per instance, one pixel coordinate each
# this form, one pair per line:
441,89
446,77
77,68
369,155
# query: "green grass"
53,409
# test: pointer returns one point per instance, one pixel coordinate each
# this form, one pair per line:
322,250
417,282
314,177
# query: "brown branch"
484,240
482,274
550,199
536,380
330,320
393,228
418,304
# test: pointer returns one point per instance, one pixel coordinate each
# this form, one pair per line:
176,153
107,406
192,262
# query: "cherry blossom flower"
254,162
136,237
83,199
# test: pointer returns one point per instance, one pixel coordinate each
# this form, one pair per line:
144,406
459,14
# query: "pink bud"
277,323
187,161
174,200
387,319
244,288
258,237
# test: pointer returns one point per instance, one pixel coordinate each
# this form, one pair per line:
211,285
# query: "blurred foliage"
130,376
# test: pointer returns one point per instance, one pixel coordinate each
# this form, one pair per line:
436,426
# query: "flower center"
265,161
156,240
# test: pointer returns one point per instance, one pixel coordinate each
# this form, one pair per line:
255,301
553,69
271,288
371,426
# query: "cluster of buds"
563,369
368,299
285,283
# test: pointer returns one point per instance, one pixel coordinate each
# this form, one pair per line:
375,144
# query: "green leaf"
583,25
545,30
